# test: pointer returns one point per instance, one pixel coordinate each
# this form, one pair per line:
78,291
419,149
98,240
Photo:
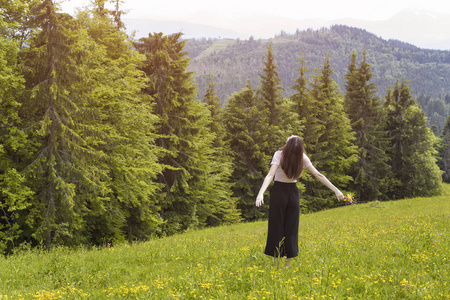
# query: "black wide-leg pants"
284,213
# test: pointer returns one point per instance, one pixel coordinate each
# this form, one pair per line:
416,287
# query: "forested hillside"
232,62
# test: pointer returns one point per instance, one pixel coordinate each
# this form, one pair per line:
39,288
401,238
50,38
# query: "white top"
279,174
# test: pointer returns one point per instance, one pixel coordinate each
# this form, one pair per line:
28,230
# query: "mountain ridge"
422,28
235,61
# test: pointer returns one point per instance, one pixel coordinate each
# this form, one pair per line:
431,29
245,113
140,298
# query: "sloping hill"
379,250
427,70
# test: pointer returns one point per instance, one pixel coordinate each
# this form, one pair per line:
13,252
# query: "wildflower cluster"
349,199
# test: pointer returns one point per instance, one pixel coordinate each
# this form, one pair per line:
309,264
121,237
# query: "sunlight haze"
329,9
423,23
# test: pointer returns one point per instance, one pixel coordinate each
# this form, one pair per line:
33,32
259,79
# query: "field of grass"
381,250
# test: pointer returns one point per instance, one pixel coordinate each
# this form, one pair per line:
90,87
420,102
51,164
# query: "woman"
284,210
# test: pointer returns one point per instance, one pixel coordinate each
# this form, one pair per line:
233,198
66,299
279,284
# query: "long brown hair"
292,157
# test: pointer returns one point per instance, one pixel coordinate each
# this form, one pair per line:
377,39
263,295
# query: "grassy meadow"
380,250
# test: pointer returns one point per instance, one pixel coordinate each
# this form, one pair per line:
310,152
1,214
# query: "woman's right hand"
259,200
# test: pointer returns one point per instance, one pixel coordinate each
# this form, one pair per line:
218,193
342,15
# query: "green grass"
382,250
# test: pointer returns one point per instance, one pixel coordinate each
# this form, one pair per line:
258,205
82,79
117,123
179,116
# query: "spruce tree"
330,141
444,151
271,88
212,102
367,117
411,153
128,127
221,195
117,13
184,134
305,122
57,115
306,106
299,102
245,120
279,119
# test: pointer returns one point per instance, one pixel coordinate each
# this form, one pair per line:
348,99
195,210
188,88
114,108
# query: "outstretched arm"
319,176
267,180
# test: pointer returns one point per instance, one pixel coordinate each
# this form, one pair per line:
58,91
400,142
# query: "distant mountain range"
231,62
190,30
418,27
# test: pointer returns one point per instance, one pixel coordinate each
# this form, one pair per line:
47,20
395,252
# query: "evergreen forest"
106,139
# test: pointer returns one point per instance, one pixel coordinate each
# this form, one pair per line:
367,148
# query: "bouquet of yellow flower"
349,199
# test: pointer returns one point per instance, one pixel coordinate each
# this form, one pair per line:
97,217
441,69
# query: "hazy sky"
192,10
424,23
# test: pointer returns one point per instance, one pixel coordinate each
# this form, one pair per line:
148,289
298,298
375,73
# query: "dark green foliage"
14,193
93,165
437,108
367,117
189,177
308,126
213,104
271,89
222,202
411,152
81,146
444,151
262,121
328,139
245,120
57,110
301,104
279,119
437,111
306,108
128,126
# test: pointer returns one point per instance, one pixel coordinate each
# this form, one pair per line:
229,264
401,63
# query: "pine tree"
117,13
271,88
305,123
444,151
245,120
329,140
367,118
306,105
411,152
213,104
279,119
299,100
128,124
57,114
184,134
223,202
